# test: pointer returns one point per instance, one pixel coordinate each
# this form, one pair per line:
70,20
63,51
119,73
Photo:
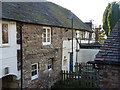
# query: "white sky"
86,10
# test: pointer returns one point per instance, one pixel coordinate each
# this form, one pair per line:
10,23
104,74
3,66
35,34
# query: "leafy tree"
105,22
110,17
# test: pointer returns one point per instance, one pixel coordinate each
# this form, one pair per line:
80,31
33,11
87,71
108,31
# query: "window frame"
35,76
5,44
46,37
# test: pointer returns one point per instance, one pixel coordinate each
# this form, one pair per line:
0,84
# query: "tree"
110,17
105,22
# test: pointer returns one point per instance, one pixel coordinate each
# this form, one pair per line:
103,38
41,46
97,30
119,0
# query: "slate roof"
45,13
110,51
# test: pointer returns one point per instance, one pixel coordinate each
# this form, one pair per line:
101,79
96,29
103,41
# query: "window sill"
4,46
47,44
34,78
50,69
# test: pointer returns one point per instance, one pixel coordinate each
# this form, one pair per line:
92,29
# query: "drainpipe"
70,17
71,60
21,51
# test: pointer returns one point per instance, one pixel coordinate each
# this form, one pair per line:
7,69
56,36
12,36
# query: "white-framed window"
5,34
34,71
46,36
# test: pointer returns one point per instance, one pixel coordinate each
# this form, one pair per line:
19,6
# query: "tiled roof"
45,13
110,51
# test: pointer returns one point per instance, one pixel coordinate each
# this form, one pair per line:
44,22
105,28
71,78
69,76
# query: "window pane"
44,30
44,35
34,72
34,67
44,39
49,66
48,30
4,33
48,39
48,35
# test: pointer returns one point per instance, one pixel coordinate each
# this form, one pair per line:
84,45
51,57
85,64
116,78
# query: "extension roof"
110,51
44,13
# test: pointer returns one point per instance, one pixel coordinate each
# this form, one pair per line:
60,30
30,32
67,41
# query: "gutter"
21,51
104,63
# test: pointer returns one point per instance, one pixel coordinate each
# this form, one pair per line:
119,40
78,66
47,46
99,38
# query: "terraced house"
33,33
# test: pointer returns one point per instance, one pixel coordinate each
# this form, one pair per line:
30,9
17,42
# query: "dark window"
18,59
4,33
34,70
50,64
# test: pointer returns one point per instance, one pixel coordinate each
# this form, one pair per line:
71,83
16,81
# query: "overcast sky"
86,10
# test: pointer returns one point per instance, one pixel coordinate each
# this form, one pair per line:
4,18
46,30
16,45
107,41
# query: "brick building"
42,26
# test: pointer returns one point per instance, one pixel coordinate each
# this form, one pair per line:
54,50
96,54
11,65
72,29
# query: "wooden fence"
84,76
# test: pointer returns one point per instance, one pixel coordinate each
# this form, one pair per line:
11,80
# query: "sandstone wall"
35,52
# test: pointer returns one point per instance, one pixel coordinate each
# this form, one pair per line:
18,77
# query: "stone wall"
35,52
109,76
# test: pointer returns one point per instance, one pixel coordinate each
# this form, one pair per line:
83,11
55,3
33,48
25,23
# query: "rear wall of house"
35,52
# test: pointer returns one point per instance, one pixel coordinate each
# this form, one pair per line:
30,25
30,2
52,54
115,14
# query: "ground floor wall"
83,55
46,58
8,61
46,76
109,76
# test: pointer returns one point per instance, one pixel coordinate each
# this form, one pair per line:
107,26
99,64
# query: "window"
46,36
83,35
18,59
77,34
65,61
5,34
50,64
6,70
34,72
86,35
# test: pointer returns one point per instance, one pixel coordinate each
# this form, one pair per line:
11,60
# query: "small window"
18,59
46,36
77,34
65,61
50,62
34,71
6,70
4,33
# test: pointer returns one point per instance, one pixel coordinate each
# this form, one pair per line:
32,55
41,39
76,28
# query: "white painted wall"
67,48
8,52
84,55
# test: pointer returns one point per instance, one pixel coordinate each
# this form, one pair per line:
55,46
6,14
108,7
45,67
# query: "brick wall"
35,52
109,76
